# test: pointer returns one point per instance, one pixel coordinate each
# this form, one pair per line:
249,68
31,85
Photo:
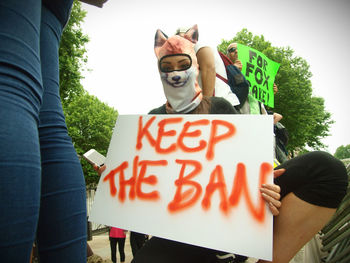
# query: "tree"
304,115
72,55
90,123
342,152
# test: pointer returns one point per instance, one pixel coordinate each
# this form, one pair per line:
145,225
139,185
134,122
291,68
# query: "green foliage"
90,124
89,121
72,55
342,152
304,115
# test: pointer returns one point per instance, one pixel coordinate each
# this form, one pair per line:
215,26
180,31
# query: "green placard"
260,71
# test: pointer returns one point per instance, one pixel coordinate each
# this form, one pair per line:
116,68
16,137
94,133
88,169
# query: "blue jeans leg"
55,188
20,100
62,223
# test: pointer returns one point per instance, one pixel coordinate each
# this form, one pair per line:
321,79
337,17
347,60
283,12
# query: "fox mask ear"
192,34
160,39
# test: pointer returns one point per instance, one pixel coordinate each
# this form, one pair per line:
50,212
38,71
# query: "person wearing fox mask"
178,68
310,186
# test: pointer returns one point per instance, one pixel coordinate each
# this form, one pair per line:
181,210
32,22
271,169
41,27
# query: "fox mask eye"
177,62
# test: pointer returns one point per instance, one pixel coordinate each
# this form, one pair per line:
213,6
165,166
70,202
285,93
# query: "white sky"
123,65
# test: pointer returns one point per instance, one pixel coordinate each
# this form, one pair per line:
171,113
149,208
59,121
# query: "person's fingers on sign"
271,194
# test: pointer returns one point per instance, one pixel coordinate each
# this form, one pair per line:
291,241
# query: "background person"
117,237
251,104
137,240
233,55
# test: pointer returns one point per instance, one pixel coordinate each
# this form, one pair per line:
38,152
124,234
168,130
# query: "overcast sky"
124,69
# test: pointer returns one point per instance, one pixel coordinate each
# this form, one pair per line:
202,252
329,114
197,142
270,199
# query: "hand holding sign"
238,64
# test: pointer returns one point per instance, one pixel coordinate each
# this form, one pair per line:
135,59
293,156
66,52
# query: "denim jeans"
42,188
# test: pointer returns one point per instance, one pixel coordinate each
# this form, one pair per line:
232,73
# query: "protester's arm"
206,64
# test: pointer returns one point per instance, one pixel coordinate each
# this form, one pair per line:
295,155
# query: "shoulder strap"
222,78
226,61
235,79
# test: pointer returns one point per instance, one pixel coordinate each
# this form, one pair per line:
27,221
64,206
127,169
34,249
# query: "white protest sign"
190,178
